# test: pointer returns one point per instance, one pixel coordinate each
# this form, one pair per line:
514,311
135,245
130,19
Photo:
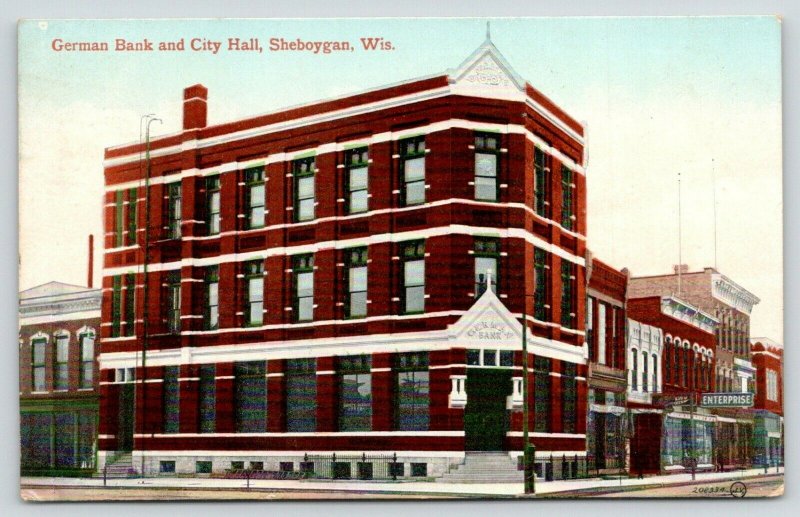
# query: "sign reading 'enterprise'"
727,400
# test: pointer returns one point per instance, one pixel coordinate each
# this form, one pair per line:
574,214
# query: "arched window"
667,357
656,388
634,370
644,372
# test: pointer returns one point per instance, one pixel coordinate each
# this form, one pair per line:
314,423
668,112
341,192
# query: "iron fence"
563,466
353,466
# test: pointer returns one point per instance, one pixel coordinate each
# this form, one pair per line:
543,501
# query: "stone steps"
483,467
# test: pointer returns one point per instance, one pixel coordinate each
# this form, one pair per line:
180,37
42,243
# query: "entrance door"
125,418
485,416
646,444
600,440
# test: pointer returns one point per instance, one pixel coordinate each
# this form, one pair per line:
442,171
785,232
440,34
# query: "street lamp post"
145,291
528,451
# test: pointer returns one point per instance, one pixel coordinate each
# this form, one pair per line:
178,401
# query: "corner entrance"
485,415
125,418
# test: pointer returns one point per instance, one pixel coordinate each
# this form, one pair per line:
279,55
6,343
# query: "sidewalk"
405,487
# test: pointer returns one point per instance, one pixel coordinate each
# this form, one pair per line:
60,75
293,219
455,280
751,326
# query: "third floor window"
304,192
255,197
173,212
487,153
213,216
541,182
357,165
412,163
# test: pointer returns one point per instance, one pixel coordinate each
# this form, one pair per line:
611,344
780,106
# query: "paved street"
710,484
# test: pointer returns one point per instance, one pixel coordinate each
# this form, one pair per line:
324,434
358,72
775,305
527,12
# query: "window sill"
414,313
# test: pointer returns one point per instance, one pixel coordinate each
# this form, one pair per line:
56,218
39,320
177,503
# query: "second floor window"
61,369
130,304
487,253
255,197
172,302
119,222
356,306
87,360
487,153
38,365
567,294
303,268
357,164
173,212
116,305
413,259
412,163
542,284
304,191
541,184
213,217
541,380
567,199
211,316
569,392
254,297
132,203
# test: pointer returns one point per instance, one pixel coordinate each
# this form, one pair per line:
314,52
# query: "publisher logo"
738,489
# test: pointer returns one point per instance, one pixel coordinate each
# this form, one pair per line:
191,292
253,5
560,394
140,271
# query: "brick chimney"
680,268
195,106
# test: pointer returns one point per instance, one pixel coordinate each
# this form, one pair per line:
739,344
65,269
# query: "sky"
699,97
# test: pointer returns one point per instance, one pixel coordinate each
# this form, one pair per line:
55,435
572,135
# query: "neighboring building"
768,406
317,280
668,434
731,305
58,347
605,339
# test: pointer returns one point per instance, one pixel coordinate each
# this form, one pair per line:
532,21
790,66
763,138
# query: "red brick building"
316,279
768,406
58,348
605,338
666,374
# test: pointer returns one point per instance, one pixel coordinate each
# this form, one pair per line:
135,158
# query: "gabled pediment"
488,324
486,68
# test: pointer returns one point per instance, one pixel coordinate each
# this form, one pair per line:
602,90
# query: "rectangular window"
304,190
356,303
567,294
355,393
211,316
132,199
171,399
487,255
567,198
303,268
601,333
116,305
569,393
541,185
172,302
173,211
130,304
413,392
119,221
61,364
541,394
38,364
542,284
301,395
250,396
255,197
254,295
166,467
772,385
357,164
87,360
487,154
213,217
207,396
412,255
412,164
202,467
590,328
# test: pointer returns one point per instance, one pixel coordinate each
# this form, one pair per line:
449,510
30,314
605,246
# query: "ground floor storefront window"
681,445
58,440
